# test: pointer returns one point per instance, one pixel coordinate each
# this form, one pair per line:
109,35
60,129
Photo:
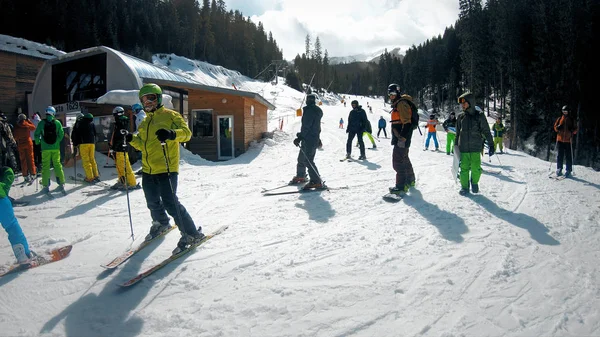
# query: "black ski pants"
384,133
159,198
306,160
564,152
361,144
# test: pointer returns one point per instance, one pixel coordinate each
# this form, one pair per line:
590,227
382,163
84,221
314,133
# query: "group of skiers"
470,132
160,132
158,138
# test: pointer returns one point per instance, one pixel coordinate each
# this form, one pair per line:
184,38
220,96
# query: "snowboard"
172,258
40,260
456,162
392,197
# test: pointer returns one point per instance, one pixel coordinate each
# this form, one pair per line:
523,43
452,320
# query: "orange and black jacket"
565,128
401,120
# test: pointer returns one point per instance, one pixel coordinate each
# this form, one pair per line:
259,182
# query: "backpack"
414,119
50,133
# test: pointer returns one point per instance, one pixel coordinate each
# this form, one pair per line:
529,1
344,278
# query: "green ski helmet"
151,88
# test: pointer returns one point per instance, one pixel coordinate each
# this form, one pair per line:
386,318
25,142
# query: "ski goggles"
393,93
149,98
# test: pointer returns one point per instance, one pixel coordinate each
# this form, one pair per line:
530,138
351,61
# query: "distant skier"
432,132
8,220
308,140
341,123
83,137
117,143
357,124
49,133
22,135
450,128
158,138
565,128
382,124
402,129
498,129
471,129
367,132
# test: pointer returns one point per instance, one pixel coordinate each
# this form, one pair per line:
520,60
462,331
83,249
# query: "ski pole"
124,133
572,158
311,165
556,149
164,146
75,162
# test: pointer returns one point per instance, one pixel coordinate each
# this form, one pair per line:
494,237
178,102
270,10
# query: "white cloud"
350,27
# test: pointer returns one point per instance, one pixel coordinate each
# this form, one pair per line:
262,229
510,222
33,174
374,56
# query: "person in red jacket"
22,135
565,128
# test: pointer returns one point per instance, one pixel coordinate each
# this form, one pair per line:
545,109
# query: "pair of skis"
124,257
268,192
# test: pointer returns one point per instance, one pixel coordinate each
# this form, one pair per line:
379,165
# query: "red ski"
40,260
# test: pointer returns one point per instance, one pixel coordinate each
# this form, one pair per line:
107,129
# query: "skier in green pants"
49,133
471,128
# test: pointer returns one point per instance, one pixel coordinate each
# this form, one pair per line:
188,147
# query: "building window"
79,79
202,123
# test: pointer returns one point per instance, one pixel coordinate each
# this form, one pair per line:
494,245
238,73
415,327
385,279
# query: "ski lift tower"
279,65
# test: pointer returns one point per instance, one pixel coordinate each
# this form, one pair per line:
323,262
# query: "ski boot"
297,181
61,189
474,188
156,229
559,172
362,157
315,185
567,174
463,191
398,190
45,190
188,240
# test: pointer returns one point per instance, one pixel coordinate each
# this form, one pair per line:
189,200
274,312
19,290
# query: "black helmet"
394,89
566,108
452,113
431,116
311,99
354,102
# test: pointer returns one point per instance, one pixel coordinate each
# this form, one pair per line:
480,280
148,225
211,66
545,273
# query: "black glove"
491,151
297,141
164,134
560,126
128,137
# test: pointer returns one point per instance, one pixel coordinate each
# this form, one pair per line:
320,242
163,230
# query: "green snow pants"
52,157
470,161
450,142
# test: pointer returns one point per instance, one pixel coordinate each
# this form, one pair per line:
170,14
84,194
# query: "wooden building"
223,121
20,61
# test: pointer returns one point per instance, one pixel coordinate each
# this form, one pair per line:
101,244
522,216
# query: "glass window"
202,123
79,79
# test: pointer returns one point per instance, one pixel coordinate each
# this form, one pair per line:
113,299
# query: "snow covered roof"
29,48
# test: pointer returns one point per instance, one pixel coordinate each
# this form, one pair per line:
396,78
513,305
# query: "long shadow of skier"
450,225
585,182
318,209
109,312
536,229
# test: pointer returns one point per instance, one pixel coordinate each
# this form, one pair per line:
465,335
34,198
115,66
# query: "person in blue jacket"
381,124
9,221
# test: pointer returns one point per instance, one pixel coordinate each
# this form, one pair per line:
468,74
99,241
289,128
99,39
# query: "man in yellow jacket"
158,139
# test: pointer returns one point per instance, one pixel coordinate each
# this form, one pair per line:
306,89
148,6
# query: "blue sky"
350,27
